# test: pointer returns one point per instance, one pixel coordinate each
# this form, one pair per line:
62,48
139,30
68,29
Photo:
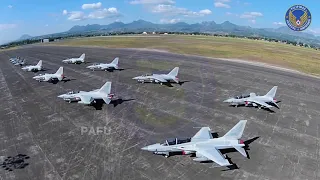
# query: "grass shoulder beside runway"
303,59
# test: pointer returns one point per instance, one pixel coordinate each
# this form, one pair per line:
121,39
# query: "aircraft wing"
214,155
86,99
159,79
203,134
261,103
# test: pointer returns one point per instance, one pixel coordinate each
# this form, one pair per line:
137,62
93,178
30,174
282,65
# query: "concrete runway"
36,123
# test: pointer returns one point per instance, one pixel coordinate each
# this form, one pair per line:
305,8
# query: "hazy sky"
39,17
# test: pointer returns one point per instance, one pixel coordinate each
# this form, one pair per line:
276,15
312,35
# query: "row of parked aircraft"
202,144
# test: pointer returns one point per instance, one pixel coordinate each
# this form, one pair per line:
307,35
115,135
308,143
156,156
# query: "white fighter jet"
203,145
35,68
114,65
79,60
159,78
265,101
58,76
90,97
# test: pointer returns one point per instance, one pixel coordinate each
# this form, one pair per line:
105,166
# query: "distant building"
165,33
144,33
154,33
44,40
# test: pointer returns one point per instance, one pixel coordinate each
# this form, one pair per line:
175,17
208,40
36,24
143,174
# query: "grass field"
299,58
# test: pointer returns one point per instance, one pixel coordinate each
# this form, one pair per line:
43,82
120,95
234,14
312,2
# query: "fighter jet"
159,78
90,97
105,66
75,60
35,68
203,145
58,76
265,101
20,62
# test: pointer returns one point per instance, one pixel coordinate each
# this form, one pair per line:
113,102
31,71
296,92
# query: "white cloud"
92,6
170,21
76,16
10,6
221,5
253,21
152,2
104,13
64,12
173,10
223,1
278,23
7,26
315,31
251,15
46,25
205,12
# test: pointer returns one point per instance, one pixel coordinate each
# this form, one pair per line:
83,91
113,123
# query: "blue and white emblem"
298,18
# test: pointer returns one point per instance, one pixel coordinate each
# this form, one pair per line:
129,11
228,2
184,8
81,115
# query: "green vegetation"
286,55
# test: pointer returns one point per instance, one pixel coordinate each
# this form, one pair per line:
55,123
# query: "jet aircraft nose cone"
61,96
146,148
226,101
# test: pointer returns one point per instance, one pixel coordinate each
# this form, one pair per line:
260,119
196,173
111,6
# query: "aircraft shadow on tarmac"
251,106
99,103
15,162
63,80
169,84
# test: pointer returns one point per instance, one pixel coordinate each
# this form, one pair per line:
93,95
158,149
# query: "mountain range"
281,33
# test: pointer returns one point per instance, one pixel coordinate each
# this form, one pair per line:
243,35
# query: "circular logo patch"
298,18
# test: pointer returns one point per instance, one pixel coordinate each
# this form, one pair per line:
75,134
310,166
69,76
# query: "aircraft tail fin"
106,88
272,92
82,57
236,131
60,71
174,72
39,63
115,61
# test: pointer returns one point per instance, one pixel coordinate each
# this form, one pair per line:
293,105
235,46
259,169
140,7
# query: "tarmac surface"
47,130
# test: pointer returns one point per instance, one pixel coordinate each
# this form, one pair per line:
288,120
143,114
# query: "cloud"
46,25
152,2
253,21
205,12
221,5
251,15
76,16
7,26
223,1
64,12
104,13
315,31
92,6
10,6
173,10
278,23
170,21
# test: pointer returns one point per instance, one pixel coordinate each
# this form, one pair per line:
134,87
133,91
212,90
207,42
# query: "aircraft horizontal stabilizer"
106,100
241,150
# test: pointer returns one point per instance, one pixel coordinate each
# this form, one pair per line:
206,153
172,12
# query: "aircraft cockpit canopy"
96,64
73,92
146,75
175,141
242,96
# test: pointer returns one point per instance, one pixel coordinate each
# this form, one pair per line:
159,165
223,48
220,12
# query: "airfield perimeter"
36,123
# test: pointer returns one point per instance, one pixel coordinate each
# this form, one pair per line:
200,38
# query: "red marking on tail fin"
241,141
